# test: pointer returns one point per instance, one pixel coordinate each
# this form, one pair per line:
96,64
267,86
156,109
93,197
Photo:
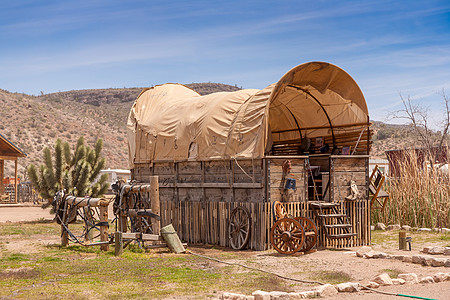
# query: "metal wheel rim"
310,233
239,228
278,234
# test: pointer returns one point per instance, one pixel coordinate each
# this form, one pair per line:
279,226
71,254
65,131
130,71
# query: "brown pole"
15,182
155,204
104,228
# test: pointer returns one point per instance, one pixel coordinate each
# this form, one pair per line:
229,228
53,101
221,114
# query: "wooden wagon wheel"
278,211
287,236
310,233
239,228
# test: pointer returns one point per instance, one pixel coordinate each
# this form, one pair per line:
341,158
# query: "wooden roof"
8,150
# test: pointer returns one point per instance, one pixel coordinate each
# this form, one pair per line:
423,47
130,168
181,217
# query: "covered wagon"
224,159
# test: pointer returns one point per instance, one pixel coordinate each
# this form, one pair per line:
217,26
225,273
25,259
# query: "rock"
424,230
438,262
407,259
445,230
398,281
373,285
326,290
436,229
417,259
348,287
428,260
406,228
447,251
425,249
295,296
372,227
393,227
383,279
409,278
363,250
233,296
308,294
447,263
398,257
375,254
436,250
439,277
261,295
249,298
380,226
279,295
427,279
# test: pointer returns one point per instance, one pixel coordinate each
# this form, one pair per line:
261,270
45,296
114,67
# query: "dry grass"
419,198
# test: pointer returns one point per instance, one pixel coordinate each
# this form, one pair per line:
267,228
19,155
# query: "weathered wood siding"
198,197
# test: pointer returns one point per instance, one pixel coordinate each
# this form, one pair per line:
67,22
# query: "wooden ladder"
335,224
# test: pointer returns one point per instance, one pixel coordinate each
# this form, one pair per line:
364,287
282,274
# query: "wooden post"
118,246
155,204
2,188
402,240
15,182
104,228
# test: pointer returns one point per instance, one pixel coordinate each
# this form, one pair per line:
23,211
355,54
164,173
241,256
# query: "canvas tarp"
171,122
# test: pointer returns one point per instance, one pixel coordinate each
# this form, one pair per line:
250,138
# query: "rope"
255,269
253,180
296,279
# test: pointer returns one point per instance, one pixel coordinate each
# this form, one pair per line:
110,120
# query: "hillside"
33,122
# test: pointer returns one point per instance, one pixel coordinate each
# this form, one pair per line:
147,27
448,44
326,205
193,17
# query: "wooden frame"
378,197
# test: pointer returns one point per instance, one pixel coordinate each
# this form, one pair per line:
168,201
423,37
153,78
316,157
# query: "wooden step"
342,236
323,204
333,216
339,226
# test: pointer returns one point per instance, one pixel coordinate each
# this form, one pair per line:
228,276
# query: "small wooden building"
8,151
302,140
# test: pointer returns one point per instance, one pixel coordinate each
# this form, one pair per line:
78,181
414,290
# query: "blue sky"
388,47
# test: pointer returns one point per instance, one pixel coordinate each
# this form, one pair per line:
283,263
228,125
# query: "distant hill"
33,122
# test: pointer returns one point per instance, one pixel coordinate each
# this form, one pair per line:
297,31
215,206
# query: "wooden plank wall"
198,197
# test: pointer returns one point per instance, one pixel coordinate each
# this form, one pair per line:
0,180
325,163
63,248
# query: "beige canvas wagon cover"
171,122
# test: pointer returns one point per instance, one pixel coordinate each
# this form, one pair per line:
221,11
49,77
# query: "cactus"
75,172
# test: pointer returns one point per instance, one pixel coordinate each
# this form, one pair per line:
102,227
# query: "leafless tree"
419,118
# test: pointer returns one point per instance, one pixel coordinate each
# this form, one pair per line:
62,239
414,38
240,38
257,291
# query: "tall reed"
419,197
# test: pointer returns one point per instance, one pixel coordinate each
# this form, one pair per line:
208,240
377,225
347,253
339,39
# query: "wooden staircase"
335,224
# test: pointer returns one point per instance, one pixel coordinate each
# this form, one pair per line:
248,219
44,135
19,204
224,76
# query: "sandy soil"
297,266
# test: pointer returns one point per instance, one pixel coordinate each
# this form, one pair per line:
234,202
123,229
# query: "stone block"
326,290
383,279
425,249
276,295
308,294
409,278
348,287
380,226
445,230
424,230
447,251
417,259
295,296
249,297
438,262
363,250
406,228
439,277
233,296
261,295
447,263
393,227
407,259
398,281
436,250
427,279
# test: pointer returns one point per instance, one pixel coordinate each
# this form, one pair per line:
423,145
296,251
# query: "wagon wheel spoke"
239,228
311,229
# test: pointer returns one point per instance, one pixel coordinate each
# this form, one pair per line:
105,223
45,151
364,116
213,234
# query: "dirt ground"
296,266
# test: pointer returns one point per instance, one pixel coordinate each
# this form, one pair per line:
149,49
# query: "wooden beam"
15,182
323,127
7,157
